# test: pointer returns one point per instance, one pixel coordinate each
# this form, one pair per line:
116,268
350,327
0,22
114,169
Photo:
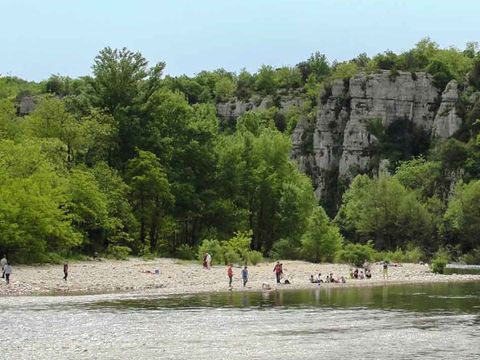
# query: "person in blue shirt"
245,275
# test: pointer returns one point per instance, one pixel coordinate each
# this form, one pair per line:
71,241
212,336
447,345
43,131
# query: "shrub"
214,248
356,254
472,258
232,257
413,255
254,257
440,261
118,252
284,249
186,252
239,244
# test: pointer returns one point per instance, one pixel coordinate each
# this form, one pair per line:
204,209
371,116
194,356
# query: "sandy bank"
179,277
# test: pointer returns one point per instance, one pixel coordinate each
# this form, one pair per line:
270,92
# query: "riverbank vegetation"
128,161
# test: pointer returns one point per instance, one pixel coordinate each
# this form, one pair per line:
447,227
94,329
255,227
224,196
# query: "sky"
41,38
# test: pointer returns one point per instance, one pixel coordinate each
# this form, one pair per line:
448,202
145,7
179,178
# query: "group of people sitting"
361,274
328,279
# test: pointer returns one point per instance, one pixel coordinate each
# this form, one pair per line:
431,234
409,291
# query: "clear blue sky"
40,38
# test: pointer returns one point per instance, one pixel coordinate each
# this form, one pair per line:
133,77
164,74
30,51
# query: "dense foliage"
130,161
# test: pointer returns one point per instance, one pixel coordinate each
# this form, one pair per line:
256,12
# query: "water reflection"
440,321
462,297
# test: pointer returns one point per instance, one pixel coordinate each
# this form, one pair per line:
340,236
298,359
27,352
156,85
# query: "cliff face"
339,145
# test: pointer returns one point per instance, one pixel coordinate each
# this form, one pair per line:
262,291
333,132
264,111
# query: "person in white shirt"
208,260
7,270
3,262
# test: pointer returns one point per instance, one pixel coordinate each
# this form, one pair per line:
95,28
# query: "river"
435,321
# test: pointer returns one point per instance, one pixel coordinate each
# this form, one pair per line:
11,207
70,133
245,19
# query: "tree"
50,119
245,85
88,206
384,211
462,218
120,76
321,240
288,78
254,171
421,175
266,82
8,121
224,89
150,196
122,225
316,65
34,217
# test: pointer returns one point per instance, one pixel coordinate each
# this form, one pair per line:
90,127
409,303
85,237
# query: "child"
230,275
245,275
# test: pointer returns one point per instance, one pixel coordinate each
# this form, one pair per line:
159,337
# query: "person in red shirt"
230,275
278,270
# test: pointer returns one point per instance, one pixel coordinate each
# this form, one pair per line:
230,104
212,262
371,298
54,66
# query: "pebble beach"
188,277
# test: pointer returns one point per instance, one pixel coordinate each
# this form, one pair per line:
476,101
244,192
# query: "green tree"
462,218
150,196
120,78
245,85
321,240
384,211
266,82
8,120
88,206
34,220
224,89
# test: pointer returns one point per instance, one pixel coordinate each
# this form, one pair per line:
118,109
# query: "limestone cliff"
338,144
342,144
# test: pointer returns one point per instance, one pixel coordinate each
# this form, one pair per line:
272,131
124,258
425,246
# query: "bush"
356,254
440,261
118,252
232,257
413,255
254,257
284,249
186,252
472,258
214,248
239,244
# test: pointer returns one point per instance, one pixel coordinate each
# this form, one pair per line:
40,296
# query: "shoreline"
177,277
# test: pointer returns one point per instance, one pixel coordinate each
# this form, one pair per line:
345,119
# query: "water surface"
436,321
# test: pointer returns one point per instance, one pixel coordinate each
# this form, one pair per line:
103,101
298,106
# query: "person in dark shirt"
65,271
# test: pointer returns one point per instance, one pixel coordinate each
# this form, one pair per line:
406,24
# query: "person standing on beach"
205,261
230,275
65,271
7,270
208,260
385,270
3,262
245,275
278,271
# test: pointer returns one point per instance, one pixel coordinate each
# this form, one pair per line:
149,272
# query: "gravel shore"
182,277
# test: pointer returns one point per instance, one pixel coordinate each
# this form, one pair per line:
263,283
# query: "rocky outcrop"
447,122
342,143
339,143
26,105
229,112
